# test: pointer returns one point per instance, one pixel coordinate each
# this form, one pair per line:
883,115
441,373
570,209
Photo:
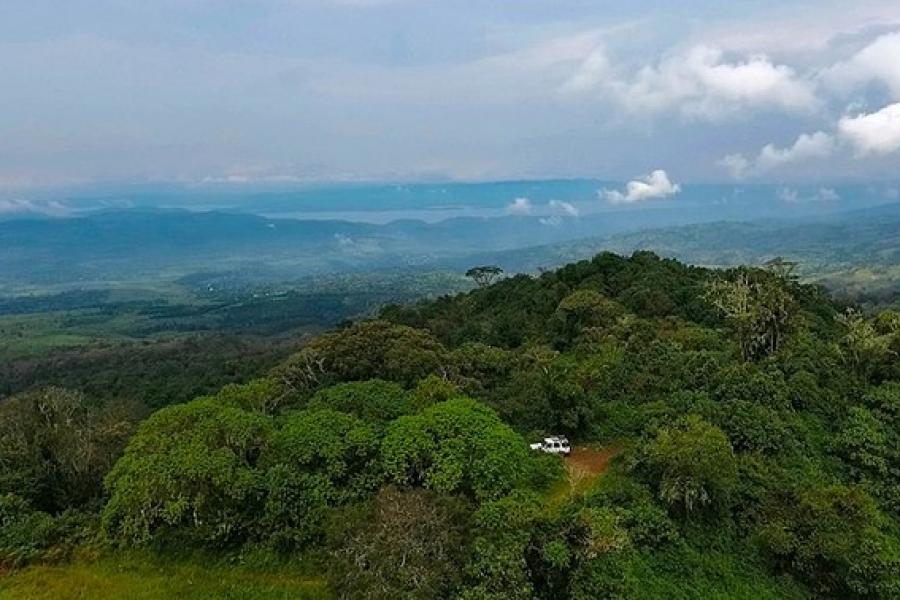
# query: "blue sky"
284,90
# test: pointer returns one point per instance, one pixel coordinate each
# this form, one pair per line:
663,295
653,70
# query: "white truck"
553,445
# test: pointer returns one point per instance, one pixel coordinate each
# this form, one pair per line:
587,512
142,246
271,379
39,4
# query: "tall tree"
485,275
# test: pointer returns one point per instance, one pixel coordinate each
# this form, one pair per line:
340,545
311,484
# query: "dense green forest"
751,421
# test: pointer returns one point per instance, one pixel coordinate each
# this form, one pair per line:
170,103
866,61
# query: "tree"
457,446
485,275
366,350
757,307
190,467
374,401
410,545
502,535
265,395
864,348
692,465
56,446
870,443
337,445
782,268
316,459
829,536
586,308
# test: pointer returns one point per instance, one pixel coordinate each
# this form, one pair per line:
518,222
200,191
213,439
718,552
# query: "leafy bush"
27,535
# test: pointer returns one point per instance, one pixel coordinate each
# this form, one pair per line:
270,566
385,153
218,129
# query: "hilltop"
751,419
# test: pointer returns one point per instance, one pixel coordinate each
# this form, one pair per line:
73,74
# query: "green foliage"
864,348
647,525
456,446
484,276
366,350
215,474
409,545
583,309
56,446
870,443
338,446
752,427
498,567
264,395
155,373
433,389
191,466
375,401
692,465
758,308
763,474
829,536
27,535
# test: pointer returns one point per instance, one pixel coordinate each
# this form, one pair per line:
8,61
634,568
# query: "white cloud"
654,185
561,208
876,133
699,83
879,61
736,164
873,133
792,196
787,195
558,211
26,207
816,145
827,195
520,207
593,71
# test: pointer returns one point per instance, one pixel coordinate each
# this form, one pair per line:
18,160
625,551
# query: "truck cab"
553,445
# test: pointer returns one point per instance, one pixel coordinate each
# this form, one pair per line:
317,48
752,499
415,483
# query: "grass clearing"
142,576
583,466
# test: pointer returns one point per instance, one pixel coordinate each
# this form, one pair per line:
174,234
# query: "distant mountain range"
140,245
856,253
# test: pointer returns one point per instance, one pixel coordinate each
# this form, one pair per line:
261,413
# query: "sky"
649,92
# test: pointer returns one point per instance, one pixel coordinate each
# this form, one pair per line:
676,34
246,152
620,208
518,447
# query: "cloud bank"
873,133
699,83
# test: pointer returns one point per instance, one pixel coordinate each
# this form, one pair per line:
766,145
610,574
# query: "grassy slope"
145,577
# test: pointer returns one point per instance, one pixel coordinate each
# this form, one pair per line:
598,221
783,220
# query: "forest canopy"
752,423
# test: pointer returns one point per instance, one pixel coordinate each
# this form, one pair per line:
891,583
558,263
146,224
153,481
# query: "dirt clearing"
590,462
583,466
